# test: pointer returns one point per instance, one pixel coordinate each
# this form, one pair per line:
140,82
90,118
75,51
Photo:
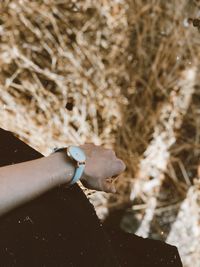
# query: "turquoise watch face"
77,153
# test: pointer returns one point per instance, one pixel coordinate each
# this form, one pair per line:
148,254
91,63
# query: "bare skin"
101,164
24,181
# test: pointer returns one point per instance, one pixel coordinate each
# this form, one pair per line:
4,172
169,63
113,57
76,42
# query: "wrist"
65,167
77,157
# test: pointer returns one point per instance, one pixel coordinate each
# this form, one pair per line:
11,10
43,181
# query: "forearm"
24,181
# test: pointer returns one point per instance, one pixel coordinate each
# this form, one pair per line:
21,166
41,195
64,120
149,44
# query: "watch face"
77,153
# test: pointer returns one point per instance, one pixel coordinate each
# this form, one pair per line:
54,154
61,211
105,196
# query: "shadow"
174,189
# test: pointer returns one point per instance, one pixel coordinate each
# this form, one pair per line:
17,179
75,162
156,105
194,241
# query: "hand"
101,164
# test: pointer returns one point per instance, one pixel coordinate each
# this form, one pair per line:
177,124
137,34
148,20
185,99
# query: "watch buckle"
80,163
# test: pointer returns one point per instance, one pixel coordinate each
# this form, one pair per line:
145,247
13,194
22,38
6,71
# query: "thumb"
109,187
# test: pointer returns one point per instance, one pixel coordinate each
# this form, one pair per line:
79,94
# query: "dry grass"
130,70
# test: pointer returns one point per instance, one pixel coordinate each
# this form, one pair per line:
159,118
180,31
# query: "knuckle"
111,152
106,188
88,143
121,165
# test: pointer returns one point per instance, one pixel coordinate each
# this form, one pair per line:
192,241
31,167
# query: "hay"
124,68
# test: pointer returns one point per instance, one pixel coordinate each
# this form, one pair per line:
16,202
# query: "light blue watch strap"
79,155
78,173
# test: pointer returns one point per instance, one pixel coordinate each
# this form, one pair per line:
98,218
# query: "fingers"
118,167
107,184
88,144
115,176
122,165
108,187
119,164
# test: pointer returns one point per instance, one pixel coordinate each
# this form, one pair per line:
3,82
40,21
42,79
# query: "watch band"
78,174
78,170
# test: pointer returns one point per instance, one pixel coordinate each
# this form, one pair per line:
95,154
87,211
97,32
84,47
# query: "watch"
78,156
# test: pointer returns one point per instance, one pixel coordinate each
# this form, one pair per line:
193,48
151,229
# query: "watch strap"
78,170
78,173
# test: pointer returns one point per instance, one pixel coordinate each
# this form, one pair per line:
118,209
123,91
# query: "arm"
24,181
